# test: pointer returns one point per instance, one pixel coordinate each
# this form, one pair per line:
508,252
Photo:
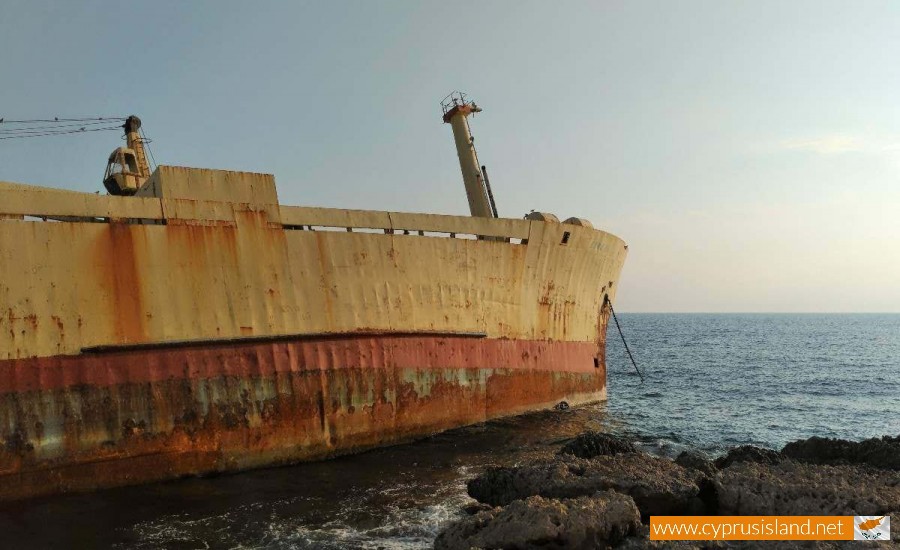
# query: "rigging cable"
60,133
607,301
485,184
54,127
57,119
40,127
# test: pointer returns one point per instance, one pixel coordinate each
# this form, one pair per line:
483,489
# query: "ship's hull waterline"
218,408
204,328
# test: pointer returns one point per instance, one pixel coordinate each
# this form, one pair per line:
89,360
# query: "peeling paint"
163,417
292,344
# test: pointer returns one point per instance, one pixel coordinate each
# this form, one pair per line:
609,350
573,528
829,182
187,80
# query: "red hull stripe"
264,359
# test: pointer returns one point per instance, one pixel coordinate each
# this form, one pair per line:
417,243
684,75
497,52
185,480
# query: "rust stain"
326,283
547,294
119,260
335,396
72,419
602,325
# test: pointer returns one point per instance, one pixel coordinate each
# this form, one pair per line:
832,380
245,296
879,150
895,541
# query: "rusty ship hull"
201,327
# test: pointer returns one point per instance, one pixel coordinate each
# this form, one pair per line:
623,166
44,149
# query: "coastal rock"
809,545
881,452
474,508
795,488
748,453
693,460
591,444
539,523
642,542
657,485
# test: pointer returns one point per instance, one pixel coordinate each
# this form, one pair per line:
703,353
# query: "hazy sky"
748,152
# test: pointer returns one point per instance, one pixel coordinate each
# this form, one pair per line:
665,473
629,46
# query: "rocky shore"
599,491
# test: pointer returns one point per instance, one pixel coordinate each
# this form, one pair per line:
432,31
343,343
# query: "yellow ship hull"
201,327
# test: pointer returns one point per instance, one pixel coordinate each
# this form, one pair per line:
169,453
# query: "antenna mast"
457,108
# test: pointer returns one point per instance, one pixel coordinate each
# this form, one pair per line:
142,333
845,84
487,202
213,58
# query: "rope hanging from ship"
606,301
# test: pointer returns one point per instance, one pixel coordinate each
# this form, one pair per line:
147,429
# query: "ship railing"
19,201
35,203
26,202
403,223
453,99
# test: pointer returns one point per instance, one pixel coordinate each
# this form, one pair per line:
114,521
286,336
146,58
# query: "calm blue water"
712,382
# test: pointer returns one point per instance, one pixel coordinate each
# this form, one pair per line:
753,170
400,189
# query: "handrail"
24,200
402,221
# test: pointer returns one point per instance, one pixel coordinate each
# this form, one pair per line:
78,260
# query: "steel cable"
622,335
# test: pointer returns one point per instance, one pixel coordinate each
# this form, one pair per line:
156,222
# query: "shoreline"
599,490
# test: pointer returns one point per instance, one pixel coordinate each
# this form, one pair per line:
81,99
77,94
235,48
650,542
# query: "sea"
710,382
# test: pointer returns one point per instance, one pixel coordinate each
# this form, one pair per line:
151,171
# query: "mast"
136,144
457,108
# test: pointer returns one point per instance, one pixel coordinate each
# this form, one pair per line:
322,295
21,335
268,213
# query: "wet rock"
657,485
795,488
810,545
591,444
539,523
472,509
748,453
881,452
500,485
692,460
642,541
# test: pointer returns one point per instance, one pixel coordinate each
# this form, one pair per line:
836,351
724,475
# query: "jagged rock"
539,523
794,488
881,452
693,460
809,545
658,486
748,453
472,509
591,444
641,541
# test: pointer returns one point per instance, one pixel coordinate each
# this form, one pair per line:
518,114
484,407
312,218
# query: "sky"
747,152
